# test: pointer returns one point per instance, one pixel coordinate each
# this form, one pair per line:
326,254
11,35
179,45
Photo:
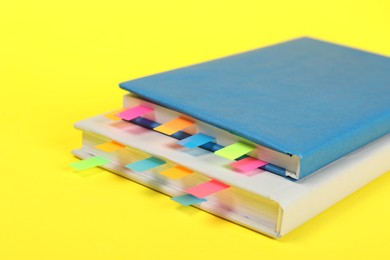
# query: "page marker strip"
187,200
248,164
110,146
144,165
174,126
134,112
207,188
113,116
196,140
234,151
88,163
176,172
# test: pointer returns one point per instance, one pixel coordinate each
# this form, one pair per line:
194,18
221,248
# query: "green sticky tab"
88,163
235,150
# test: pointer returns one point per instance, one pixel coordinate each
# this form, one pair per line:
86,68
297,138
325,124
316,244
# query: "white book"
264,202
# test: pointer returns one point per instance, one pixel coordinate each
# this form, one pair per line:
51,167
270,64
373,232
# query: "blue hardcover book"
305,103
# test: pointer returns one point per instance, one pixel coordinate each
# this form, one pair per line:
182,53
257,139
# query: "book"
263,201
267,139
303,103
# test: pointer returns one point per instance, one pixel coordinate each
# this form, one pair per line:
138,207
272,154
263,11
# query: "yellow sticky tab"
174,126
176,172
113,116
110,146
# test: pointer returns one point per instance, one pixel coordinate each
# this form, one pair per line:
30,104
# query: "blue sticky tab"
145,164
187,200
196,140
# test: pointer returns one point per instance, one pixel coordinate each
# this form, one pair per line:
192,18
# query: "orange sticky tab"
176,172
110,146
174,126
113,116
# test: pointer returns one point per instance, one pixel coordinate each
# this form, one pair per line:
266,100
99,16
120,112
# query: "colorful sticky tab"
134,112
187,200
235,150
207,188
88,163
110,146
145,164
248,164
176,172
112,115
195,140
174,126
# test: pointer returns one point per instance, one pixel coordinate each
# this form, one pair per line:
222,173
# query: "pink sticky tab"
134,112
207,188
248,164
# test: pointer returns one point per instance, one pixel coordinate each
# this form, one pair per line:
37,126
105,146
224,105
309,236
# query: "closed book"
303,103
267,139
262,201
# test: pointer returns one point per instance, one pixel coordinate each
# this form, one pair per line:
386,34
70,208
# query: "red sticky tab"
207,188
134,112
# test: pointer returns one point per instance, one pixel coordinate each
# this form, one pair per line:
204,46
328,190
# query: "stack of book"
267,139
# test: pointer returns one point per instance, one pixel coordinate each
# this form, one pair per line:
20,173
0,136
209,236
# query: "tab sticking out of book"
176,172
174,126
144,165
248,164
207,188
234,151
195,140
112,115
134,112
187,200
88,163
109,146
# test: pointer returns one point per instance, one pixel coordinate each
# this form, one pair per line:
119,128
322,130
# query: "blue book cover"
305,97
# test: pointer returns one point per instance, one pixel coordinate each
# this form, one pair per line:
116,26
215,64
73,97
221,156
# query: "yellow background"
61,61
